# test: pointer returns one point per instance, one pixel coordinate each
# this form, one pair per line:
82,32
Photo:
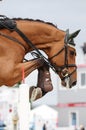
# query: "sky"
63,13
66,14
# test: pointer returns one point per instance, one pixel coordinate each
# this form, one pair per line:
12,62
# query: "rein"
54,67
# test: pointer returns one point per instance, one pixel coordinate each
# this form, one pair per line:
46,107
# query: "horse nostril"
74,83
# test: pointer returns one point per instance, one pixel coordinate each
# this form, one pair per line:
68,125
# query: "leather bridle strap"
56,54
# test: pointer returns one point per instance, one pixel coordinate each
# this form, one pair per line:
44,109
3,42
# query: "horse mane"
37,20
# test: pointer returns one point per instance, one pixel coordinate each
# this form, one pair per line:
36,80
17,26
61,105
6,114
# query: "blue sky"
63,13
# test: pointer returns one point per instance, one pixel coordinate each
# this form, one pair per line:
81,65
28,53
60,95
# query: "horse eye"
72,53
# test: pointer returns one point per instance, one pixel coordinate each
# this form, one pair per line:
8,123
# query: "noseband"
12,27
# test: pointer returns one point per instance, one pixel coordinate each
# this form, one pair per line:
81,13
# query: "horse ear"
69,37
66,36
73,35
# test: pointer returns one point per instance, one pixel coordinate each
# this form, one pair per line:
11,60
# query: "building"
72,103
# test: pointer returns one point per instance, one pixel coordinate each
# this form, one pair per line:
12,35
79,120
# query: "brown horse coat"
44,36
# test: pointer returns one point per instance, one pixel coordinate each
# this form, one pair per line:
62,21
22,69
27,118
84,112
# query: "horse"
19,36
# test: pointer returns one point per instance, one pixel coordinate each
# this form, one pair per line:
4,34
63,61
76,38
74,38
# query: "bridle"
60,69
37,53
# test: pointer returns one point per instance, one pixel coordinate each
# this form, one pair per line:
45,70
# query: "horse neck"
40,34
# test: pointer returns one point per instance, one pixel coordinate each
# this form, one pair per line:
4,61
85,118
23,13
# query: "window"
73,118
83,79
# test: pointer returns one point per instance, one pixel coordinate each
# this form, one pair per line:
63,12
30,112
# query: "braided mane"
37,20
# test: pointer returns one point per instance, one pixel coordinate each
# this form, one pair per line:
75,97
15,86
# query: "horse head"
64,60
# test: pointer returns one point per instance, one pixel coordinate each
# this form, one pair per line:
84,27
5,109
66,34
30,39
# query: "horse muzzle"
68,80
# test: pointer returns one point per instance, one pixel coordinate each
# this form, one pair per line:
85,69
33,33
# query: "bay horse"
19,36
